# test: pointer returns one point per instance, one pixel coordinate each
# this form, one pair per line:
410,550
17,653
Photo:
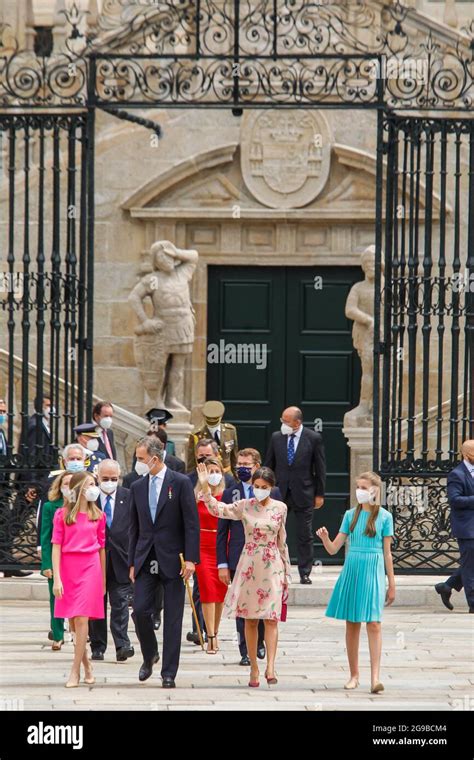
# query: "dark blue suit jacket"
230,533
461,501
116,537
175,529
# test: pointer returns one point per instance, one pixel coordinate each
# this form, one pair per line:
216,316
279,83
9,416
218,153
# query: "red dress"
211,589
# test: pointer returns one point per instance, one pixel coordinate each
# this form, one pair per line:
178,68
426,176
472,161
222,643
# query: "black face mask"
199,460
244,473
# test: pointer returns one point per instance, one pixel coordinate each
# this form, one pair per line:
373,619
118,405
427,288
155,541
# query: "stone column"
360,442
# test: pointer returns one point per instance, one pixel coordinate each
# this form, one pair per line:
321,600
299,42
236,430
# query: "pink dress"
80,569
264,569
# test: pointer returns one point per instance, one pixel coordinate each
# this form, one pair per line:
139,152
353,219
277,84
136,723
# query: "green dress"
359,593
47,514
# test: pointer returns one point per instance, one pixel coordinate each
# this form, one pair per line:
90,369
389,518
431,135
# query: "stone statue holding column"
360,308
164,339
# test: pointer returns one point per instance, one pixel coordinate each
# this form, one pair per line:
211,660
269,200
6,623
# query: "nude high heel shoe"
352,683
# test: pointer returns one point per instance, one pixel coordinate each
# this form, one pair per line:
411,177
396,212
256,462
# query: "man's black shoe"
97,655
445,592
261,652
147,668
124,653
168,682
306,580
245,660
17,573
194,637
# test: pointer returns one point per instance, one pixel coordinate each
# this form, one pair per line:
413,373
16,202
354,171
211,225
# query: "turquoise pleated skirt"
359,593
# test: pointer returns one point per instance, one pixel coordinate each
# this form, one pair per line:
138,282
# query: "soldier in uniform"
158,419
223,433
87,435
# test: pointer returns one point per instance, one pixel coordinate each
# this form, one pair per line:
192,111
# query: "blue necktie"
291,449
108,511
251,493
153,497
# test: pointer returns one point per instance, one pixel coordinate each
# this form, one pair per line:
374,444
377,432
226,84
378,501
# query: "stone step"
412,590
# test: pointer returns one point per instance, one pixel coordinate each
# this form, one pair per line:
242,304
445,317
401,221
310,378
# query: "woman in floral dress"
263,572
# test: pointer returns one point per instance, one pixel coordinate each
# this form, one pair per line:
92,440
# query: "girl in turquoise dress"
360,594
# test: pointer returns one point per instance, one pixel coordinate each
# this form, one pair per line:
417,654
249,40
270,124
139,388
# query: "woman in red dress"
211,590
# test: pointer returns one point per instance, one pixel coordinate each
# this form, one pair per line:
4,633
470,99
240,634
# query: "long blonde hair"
54,492
71,506
376,482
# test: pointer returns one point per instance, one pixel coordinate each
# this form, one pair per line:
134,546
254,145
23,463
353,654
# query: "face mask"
363,496
46,411
66,492
92,444
212,421
3,419
286,429
109,486
244,473
262,493
92,493
74,465
214,478
105,422
142,468
199,460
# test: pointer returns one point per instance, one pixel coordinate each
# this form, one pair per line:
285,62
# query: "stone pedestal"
178,430
360,442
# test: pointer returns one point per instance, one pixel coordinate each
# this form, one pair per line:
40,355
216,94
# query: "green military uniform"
228,444
47,514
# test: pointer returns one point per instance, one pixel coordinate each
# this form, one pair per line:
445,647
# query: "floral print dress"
264,566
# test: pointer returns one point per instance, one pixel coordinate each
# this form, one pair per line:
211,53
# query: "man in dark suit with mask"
296,455
164,523
231,540
461,501
114,501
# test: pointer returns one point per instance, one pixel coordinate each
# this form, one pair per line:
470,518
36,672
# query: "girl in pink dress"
79,566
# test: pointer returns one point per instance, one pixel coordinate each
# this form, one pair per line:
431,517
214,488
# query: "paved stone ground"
427,665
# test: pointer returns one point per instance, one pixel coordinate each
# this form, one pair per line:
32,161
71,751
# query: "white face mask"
214,478
143,468
92,444
66,492
363,496
286,429
109,486
262,493
92,493
105,422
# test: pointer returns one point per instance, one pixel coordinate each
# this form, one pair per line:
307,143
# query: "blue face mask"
244,474
3,419
75,466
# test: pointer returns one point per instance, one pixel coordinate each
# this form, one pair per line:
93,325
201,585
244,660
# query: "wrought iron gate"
426,353
198,53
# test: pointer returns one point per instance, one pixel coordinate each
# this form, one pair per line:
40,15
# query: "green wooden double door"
278,336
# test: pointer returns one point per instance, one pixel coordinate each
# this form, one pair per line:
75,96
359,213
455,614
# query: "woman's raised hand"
202,475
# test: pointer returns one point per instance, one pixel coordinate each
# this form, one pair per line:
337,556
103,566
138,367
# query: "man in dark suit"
231,540
172,462
296,455
103,414
38,436
164,523
114,500
461,501
204,449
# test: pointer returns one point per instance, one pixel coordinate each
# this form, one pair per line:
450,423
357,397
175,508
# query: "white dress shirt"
214,430
160,476
469,466
103,499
